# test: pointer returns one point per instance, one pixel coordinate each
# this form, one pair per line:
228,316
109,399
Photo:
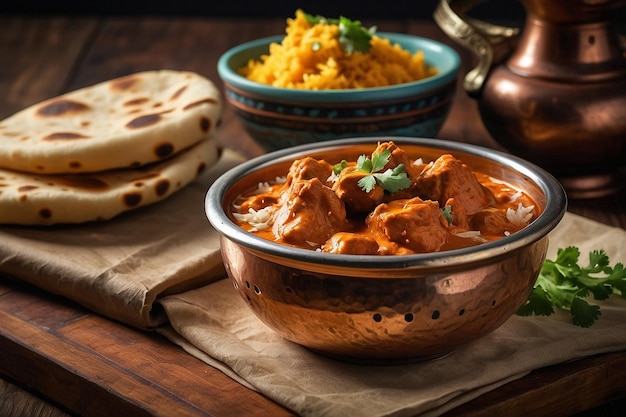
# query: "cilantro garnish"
391,180
337,168
563,283
353,36
447,214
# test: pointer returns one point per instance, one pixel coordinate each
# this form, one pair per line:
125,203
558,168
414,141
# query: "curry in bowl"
363,250
387,202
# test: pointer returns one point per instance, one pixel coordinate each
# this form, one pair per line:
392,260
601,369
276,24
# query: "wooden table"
84,364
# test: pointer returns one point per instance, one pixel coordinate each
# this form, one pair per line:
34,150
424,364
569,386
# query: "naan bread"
32,199
122,123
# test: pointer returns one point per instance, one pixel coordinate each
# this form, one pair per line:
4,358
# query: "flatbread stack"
94,153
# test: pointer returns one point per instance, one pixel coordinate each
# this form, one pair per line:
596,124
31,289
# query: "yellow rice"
311,57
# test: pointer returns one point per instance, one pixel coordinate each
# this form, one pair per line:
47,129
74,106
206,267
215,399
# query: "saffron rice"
311,57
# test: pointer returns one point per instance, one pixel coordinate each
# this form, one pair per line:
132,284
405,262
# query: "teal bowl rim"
437,54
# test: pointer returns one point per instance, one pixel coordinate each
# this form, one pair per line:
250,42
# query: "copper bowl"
385,309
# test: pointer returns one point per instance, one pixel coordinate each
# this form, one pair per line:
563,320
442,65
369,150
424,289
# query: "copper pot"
385,309
555,92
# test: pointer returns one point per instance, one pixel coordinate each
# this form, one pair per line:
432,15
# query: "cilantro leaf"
353,37
563,283
379,160
538,304
364,164
367,183
583,313
337,168
391,180
447,214
315,19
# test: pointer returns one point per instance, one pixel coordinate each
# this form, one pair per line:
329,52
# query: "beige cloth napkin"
215,325
161,263
120,267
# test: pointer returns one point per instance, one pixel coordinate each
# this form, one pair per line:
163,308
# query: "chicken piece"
414,224
258,202
309,214
491,221
447,178
308,168
351,244
398,156
353,196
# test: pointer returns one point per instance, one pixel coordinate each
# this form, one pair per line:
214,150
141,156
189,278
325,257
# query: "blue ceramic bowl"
282,117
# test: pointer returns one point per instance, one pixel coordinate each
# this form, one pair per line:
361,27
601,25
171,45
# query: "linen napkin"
120,267
215,325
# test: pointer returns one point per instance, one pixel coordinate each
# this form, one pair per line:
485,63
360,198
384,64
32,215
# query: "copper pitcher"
553,92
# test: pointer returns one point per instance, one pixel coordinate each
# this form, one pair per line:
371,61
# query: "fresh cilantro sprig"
392,179
353,36
563,283
446,212
337,168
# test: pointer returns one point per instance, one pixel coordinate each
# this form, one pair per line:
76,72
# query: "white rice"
473,235
258,219
520,216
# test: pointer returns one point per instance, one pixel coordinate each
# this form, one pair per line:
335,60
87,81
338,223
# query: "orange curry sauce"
445,206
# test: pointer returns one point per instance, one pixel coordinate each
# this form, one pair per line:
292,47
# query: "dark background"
354,9
503,11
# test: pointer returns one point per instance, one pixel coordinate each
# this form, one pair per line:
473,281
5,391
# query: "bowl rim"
449,69
555,207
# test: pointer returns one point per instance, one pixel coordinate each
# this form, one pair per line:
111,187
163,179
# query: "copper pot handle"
490,43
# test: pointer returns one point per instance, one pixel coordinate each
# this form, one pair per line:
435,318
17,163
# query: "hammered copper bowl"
278,118
385,309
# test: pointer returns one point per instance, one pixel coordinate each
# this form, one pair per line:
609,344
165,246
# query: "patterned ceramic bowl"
280,117
385,309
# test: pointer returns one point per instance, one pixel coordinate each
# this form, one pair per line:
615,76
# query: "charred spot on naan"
124,83
144,121
132,199
136,101
178,93
26,188
45,213
208,100
65,136
61,107
201,168
163,150
205,124
162,187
